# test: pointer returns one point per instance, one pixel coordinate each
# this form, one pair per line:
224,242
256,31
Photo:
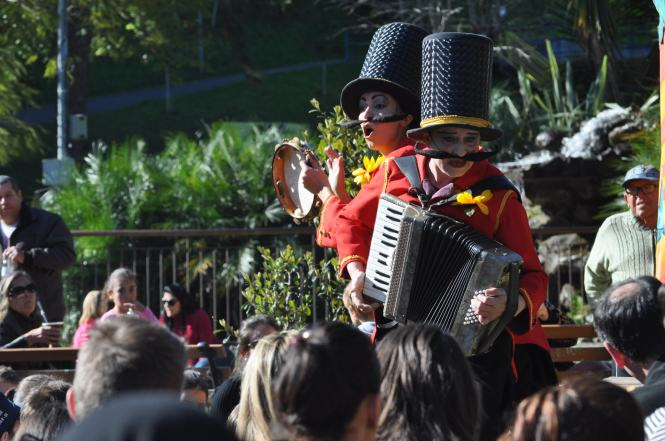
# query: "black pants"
535,370
493,371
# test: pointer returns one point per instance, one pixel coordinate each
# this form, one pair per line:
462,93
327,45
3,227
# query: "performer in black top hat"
384,101
456,81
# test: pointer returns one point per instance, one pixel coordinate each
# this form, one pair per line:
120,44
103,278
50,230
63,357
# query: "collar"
404,149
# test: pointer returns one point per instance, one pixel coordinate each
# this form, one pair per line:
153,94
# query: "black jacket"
49,249
651,396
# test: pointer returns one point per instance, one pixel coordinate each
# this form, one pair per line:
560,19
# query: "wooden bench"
592,352
70,354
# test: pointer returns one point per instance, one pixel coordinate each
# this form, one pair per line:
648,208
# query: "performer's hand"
359,309
313,178
490,305
336,174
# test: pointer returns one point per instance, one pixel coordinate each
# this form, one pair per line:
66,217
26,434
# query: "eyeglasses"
643,189
171,302
16,291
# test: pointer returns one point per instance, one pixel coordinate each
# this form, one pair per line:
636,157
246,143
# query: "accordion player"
427,267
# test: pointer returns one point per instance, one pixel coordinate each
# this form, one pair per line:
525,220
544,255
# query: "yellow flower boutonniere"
467,199
364,175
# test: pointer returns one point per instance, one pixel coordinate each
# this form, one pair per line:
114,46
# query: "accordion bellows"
430,266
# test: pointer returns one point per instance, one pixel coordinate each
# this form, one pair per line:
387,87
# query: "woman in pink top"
94,306
121,289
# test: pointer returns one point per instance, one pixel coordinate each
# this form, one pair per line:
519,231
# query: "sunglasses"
644,189
16,291
171,302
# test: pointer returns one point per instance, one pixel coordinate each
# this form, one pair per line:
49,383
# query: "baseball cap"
9,413
647,172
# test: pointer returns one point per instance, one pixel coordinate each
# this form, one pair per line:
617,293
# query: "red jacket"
506,222
332,207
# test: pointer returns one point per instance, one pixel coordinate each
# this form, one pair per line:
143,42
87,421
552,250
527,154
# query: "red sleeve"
355,223
513,231
325,233
203,328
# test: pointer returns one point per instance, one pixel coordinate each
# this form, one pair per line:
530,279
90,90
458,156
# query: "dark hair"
4,179
44,414
186,305
195,380
329,370
629,317
8,374
427,387
249,325
579,409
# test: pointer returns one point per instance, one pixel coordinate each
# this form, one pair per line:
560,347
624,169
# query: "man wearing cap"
452,171
626,242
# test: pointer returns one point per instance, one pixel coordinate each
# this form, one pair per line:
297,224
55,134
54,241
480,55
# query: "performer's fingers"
331,152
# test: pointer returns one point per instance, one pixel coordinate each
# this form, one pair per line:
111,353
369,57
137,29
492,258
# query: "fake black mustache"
377,119
437,154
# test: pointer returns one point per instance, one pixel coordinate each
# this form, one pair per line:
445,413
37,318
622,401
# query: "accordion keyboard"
384,242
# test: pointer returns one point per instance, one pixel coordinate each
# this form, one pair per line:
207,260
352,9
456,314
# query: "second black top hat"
456,84
392,65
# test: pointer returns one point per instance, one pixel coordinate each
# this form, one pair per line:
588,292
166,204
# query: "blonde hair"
94,306
256,411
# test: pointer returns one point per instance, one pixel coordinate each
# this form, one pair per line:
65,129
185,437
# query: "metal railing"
208,261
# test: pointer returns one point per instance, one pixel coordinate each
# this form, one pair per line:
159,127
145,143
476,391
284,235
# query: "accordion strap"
408,166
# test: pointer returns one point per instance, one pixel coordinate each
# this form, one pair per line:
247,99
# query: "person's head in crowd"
18,293
148,417
11,200
95,304
427,387
329,385
630,320
255,417
44,414
195,387
176,304
125,354
640,193
28,384
579,409
9,379
251,331
9,417
122,289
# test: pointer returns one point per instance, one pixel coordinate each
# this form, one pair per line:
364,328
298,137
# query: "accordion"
427,267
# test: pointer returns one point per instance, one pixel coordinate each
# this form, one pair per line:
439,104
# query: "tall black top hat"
392,65
457,77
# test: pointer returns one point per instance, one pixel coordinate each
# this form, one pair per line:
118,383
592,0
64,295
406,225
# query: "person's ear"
406,122
71,403
618,356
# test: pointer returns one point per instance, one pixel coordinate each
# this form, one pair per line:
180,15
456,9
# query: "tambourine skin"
298,202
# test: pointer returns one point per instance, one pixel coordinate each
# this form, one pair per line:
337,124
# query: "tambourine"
298,202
